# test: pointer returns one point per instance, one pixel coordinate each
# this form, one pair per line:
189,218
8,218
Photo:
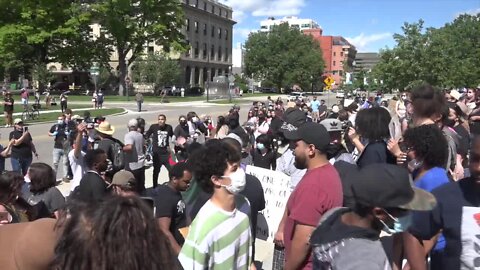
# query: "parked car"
340,94
194,91
297,95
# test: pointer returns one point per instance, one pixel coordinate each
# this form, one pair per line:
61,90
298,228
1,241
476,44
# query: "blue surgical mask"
400,224
260,146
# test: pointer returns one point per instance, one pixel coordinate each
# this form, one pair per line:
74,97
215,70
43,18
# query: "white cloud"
474,11
362,41
264,8
243,32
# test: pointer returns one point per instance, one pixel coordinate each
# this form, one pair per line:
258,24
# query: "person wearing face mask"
220,235
180,137
93,187
456,217
22,149
348,238
60,146
263,156
262,126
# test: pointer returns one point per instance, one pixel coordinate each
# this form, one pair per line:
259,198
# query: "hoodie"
336,245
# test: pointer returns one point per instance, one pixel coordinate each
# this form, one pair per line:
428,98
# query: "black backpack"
114,150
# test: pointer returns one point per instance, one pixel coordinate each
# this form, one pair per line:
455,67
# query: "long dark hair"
221,121
119,233
10,186
42,177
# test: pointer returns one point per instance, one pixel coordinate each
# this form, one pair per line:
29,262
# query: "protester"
263,155
8,109
100,98
63,101
5,152
319,190
262,126
161,134
42,188
170,207
219,236
349,238
315,105
76,156
111,146
92,186
370,136
124,184
60,147
221,130
10,189
134,154
400,108
22,149
455,216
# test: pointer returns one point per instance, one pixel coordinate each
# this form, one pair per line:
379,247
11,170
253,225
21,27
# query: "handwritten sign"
276,187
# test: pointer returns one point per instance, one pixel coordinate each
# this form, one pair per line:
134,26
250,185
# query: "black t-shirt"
8,108
169,203
161,137
92,188
376,152
267,161
253,191
457,214
61,137
24,149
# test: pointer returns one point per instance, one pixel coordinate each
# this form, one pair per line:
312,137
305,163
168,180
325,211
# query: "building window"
205,52
166,48
341,54
213,9
205,5
150,49
334,63
213,31
226,34
196,27
196,49
187,2
334,53
226,55
219,56
219,33
204,29
334,72
226,14
220,12
189,52
187,24
212,52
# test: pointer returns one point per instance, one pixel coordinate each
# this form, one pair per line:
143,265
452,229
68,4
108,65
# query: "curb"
125,111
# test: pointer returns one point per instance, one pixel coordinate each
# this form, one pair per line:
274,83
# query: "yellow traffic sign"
329,81
328,87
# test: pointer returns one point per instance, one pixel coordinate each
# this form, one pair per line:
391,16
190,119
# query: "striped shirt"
218,239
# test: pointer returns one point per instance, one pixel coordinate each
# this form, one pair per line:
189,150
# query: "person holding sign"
319,191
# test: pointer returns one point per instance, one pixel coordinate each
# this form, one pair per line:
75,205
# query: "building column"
192,76
200,78
216,72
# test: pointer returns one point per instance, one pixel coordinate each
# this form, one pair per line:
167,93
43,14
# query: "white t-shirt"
136,157
78,168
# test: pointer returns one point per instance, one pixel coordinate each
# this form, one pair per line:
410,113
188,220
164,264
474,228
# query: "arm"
34,150
128,147
278,238
164,224
355,138
414,252
17,142
7,151
300,246
78,140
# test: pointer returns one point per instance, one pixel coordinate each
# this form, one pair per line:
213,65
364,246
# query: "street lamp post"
126,76
208,82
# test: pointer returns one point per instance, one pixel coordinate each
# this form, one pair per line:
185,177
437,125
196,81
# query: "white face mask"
238,181
194,119
59,121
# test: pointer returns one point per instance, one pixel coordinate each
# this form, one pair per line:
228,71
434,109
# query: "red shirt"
319,190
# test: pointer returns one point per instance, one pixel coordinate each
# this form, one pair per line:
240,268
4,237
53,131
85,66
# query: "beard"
300,163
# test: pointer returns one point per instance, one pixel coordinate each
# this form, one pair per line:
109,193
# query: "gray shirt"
136,157
52,198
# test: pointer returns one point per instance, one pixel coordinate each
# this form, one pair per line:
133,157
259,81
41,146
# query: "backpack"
114,150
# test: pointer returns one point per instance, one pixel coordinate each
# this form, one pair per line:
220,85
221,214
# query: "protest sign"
276,187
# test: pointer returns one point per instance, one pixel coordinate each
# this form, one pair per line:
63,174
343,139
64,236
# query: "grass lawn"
45,117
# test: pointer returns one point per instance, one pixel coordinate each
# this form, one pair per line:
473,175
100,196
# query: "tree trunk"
122,73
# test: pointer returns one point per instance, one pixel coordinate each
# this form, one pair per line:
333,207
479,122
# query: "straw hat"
105,128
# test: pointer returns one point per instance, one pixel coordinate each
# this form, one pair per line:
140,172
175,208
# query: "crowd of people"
362,171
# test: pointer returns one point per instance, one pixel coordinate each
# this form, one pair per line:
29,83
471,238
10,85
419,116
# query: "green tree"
127,25
42,75
284,57
157,69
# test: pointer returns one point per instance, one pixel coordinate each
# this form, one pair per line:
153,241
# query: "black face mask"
449,122
183,123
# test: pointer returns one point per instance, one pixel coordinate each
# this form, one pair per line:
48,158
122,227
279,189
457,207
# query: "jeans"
158,161
139,106
57,155
21,164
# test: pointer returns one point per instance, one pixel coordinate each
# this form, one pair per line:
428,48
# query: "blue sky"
368,24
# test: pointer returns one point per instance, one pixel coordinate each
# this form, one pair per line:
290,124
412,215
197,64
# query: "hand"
352,133
393,147
11,142
36,154
81,127
278,239
55,133
401,158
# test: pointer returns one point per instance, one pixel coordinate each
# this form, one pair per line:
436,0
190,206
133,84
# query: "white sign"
276,187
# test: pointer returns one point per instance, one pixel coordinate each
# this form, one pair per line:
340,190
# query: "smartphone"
25,128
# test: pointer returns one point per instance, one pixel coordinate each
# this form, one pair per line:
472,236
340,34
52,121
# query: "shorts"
24,101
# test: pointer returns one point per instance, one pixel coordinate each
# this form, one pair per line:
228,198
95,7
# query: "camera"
346,125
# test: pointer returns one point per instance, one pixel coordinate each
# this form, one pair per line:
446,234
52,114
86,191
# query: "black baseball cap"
293,118
389,186
311,133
